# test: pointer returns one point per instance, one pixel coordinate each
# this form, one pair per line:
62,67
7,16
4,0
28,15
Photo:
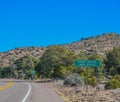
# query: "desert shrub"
93,81
117,77
73,80
112,84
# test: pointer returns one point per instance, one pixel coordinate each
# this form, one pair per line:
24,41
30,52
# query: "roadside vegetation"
57,62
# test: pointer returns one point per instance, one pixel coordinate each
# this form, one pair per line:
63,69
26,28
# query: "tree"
93,73
25,64
55,61
5,72
112,61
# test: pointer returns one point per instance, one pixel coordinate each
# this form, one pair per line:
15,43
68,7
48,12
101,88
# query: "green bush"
117,77
112,84
93,81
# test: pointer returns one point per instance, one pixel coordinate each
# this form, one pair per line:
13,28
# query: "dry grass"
69,94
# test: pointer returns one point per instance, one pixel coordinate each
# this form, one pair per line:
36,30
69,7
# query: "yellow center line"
7,85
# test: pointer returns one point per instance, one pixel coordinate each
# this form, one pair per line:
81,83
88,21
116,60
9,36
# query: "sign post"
32,73
89,63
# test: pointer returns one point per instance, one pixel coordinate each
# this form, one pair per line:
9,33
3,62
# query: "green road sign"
32,72
87,63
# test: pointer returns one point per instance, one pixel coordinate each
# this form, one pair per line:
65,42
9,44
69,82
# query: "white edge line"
24,99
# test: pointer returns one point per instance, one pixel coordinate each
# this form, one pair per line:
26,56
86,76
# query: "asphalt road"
21,91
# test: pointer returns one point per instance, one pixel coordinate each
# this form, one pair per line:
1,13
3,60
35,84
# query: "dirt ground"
79,94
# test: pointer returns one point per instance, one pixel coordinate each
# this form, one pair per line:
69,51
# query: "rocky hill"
99,44
6,57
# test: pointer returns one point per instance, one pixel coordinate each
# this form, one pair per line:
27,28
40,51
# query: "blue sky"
47,22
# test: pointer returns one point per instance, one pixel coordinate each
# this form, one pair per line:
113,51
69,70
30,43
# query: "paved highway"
21,91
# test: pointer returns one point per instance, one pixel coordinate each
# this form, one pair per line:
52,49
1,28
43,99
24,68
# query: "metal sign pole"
87,81
97,88
76,82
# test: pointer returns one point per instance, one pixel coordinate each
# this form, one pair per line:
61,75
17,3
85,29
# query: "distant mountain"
99,44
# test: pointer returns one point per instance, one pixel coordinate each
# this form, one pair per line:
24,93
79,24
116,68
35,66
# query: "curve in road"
22,91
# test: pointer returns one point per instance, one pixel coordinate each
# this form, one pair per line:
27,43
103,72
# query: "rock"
73,80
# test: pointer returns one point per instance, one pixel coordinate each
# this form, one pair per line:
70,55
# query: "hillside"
99,44
6,57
